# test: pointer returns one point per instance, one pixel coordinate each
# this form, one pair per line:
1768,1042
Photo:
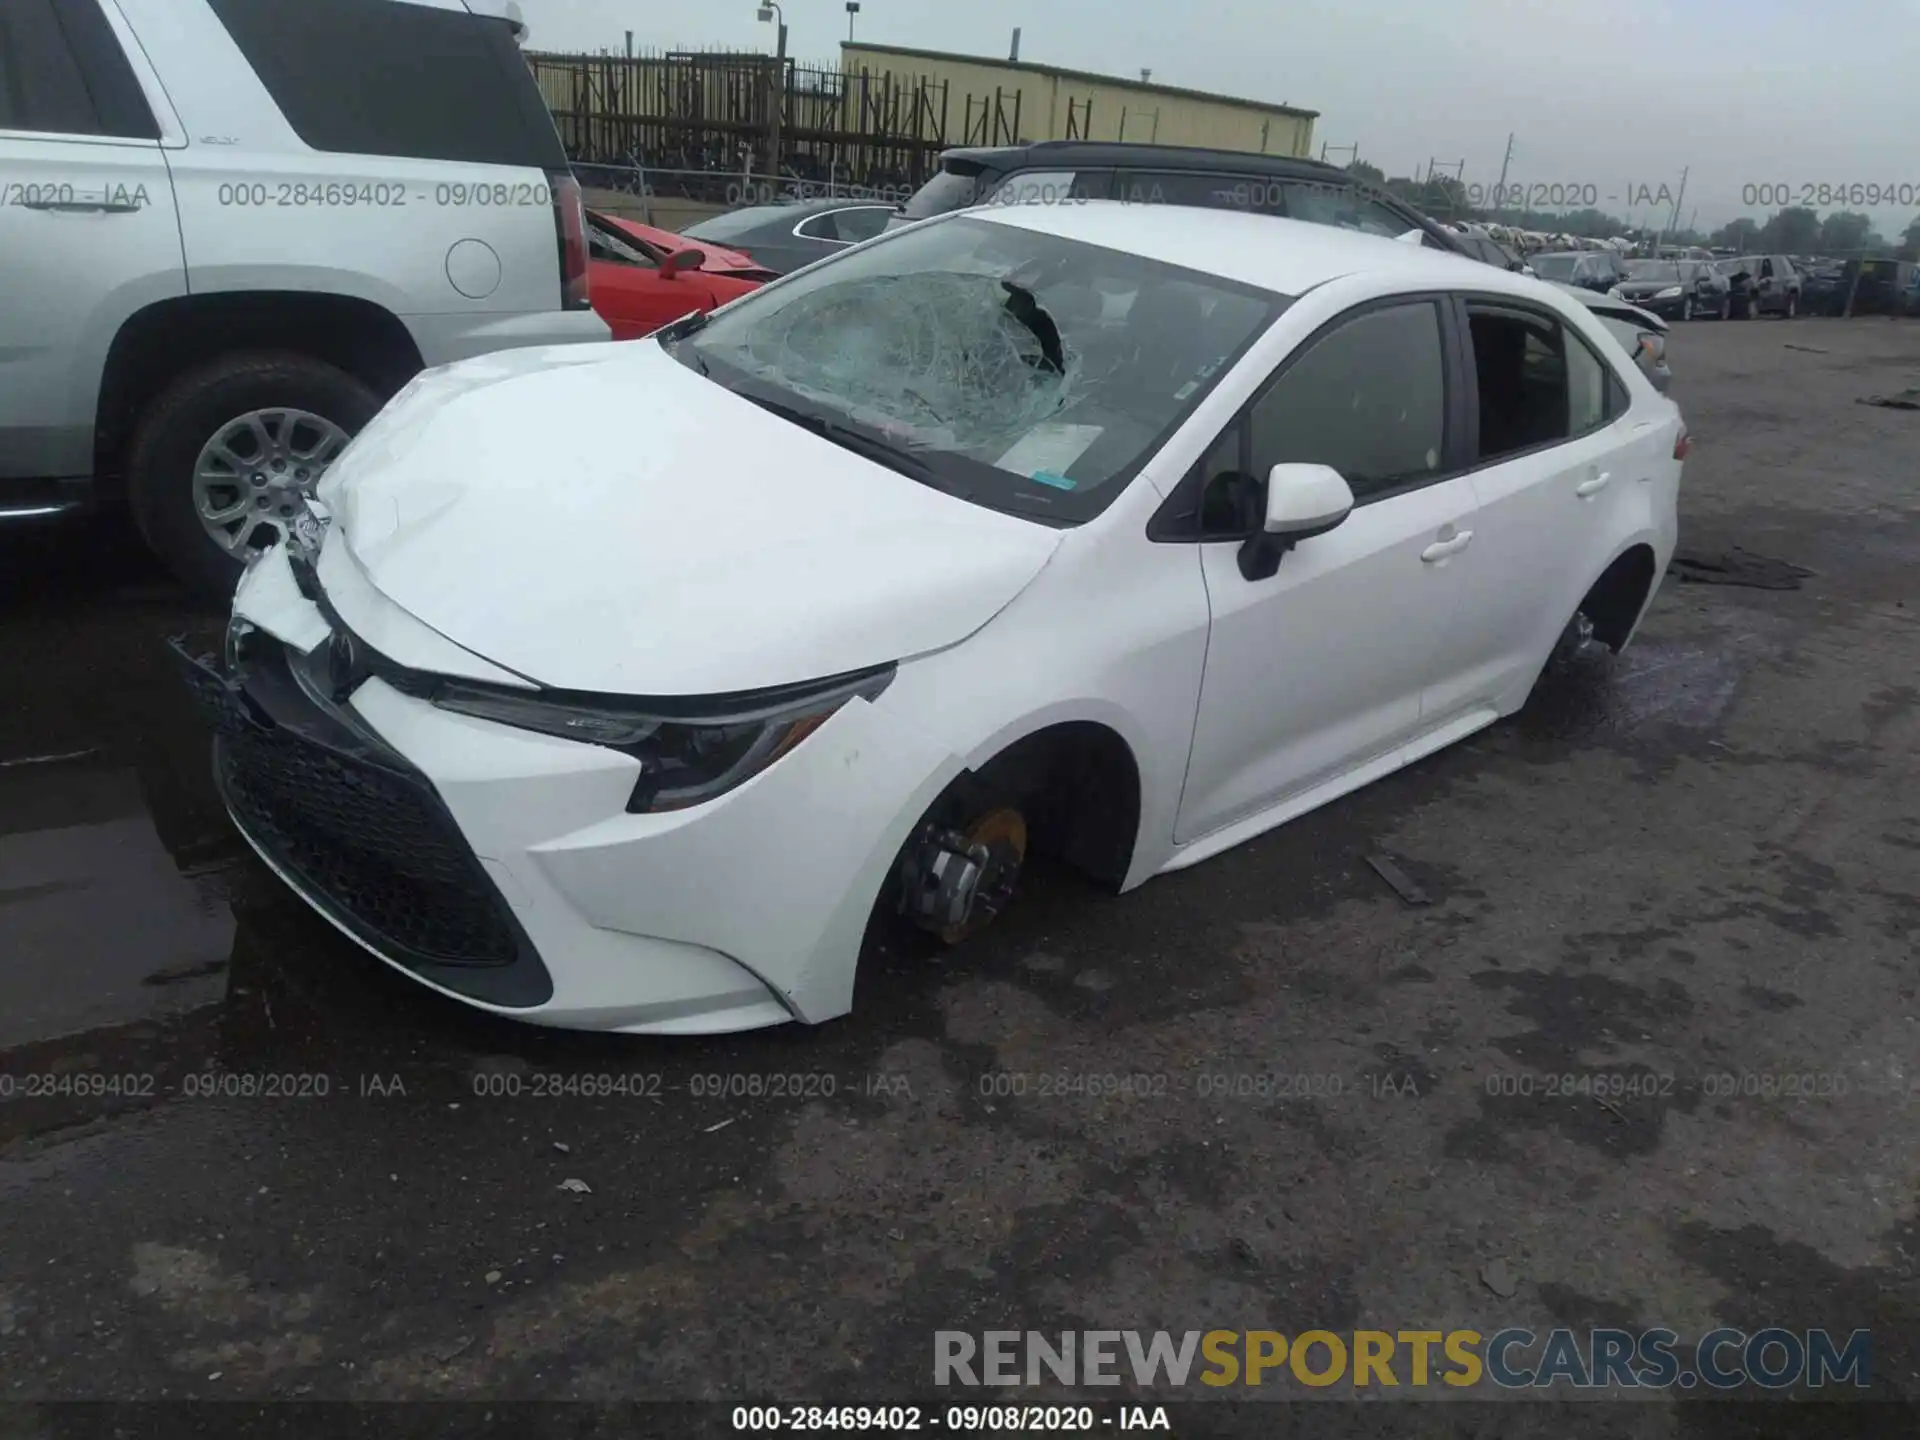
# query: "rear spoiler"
507,10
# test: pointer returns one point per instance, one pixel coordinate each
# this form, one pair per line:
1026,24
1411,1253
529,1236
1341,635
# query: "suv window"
1198,189
40,84
860,223
1343,206
375,77
1368,398
1049,187
949,189
62,73
1539,384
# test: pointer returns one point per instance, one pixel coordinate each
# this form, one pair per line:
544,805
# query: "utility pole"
853,9
1674,219
1500,190
770,10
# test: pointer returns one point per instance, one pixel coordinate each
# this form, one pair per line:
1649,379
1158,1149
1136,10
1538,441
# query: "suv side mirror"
681,260
1302,501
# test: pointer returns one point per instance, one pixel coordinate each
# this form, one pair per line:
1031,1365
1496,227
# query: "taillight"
1682,444
570,227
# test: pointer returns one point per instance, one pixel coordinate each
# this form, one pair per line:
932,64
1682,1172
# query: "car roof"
1165,157
1288,257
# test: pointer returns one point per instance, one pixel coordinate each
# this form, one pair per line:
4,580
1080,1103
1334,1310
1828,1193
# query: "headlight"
1672,292
687,756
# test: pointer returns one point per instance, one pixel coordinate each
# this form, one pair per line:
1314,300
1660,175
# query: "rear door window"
379,77
62,73
1521,368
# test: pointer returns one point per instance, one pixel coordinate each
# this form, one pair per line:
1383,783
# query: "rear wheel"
1726,307
227,455
1686,307
1793,305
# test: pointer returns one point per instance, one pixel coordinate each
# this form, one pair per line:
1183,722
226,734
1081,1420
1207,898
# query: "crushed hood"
601,517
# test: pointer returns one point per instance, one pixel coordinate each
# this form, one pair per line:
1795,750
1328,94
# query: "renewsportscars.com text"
1773,1358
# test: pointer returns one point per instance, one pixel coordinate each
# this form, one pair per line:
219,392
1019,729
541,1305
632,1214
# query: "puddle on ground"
100,924
1652,685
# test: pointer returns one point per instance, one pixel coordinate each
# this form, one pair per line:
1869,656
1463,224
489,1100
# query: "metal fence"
742,185
712,113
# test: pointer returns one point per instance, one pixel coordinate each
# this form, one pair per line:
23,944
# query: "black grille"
369,842
360,832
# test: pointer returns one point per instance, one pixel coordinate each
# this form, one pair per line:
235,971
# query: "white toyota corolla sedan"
627,682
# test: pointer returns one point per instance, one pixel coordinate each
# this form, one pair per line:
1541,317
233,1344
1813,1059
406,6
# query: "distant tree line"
1798,230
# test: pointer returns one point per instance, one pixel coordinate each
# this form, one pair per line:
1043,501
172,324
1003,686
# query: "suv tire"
193,410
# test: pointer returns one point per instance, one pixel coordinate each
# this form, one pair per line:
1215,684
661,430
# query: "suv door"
1546,409
87,229
1317,669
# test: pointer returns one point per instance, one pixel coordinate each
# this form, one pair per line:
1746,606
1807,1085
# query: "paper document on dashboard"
1052,447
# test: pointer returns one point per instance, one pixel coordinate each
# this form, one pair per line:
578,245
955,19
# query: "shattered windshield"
1022,371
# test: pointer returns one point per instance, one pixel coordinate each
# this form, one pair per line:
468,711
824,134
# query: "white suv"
232,229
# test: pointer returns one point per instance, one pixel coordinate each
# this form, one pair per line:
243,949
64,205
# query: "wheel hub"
954,882
258,472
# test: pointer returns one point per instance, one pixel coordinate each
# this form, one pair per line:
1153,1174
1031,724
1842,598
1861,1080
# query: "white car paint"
732,549
434,502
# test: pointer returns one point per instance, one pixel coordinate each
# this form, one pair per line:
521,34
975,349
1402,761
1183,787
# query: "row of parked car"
245,307
1736,287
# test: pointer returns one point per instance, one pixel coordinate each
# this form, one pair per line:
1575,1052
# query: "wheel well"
1619,595
1079,787
170,337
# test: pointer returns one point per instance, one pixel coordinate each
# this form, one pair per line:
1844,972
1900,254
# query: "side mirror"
679,260
1302,501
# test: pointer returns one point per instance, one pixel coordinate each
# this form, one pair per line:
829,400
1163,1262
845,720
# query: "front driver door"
1320,667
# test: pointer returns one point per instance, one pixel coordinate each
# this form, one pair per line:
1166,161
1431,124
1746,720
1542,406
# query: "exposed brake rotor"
954,882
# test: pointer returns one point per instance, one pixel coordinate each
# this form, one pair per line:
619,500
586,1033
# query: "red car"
640,278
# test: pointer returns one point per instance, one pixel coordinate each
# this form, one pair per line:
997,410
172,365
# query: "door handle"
84,207
1593,485
1441,549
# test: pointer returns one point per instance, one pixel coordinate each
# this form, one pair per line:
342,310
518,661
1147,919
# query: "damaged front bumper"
501,867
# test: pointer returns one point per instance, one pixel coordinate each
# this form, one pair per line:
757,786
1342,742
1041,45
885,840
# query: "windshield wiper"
681,329
894,457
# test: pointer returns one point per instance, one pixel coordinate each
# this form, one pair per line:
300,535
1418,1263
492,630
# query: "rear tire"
1793,305
196,408
1686,307
1726,307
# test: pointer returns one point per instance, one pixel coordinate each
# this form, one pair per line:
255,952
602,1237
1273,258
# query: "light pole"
853,9
770,11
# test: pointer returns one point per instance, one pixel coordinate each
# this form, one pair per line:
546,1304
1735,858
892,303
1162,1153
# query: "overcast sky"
1616,94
